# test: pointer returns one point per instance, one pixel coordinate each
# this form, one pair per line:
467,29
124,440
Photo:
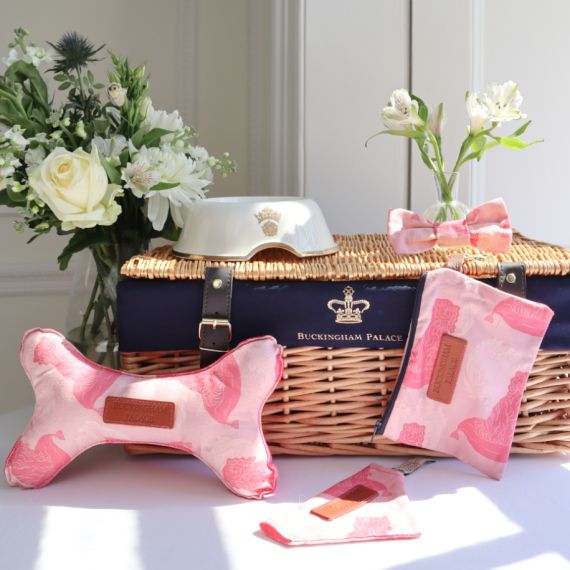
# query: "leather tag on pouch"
134,412
446,369
349,501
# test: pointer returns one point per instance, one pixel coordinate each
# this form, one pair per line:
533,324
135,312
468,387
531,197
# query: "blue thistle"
74,52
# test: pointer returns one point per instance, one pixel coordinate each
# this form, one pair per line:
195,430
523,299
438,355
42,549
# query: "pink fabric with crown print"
213,413
503,334
387,516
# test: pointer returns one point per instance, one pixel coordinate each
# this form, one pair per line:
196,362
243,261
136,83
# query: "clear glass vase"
92,309
448,206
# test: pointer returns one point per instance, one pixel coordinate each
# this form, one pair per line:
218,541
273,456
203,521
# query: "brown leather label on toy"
134,412
446,369
351,500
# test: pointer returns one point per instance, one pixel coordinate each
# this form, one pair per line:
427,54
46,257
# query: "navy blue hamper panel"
157,314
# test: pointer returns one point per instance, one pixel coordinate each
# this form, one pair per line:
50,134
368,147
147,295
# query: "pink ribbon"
486,227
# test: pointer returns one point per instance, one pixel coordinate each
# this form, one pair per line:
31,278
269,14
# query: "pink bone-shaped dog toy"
213,413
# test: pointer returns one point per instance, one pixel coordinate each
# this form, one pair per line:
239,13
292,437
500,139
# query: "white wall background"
292,88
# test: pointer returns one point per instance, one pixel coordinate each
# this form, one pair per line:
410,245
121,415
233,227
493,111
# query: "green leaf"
513,143
426,159
112,173
154,136
5,200
137,138
423,111
61,77
410,133
520,131
21,71
478,143
99,86
165,185
16,197
90,77
80,241
64,86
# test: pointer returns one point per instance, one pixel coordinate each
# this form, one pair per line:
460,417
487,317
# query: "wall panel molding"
18,279
288,97
187,60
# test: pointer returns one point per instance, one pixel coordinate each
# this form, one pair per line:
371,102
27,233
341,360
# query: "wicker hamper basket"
330,398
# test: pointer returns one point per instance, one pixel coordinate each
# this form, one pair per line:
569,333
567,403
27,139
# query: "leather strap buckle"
215,323
215,329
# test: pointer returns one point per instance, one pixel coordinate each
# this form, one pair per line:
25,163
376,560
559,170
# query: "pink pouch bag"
470,350
384,514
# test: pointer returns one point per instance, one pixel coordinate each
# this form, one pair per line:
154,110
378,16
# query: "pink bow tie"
487,227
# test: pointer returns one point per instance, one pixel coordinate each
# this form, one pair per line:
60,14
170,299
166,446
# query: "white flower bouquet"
102,166
408,116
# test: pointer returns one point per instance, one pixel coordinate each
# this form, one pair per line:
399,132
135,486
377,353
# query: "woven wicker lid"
360,257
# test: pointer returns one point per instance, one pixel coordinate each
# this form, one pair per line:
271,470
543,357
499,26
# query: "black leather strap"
512,279
215,330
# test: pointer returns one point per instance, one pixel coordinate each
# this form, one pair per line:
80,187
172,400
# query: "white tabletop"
110,511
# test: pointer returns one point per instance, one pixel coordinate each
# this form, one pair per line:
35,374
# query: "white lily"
437,120
401,112
8,165
503,102
157,119
111,148
34,157
141,175
37,55
12,57
166,166
16,136
478,113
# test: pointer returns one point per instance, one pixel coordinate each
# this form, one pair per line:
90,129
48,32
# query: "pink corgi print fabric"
213,413
387,516
501,335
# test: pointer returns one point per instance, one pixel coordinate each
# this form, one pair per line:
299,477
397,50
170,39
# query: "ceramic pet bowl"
235,229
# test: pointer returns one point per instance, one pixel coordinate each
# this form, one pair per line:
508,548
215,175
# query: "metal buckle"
215,323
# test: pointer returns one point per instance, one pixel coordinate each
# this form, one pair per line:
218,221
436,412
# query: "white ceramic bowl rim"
236,228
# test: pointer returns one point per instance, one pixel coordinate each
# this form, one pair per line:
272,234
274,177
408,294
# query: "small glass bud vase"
448,207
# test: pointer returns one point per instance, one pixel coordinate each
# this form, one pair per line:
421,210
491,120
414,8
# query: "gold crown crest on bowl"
268,219
348,311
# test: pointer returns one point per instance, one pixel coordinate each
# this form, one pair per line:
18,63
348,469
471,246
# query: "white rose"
75,187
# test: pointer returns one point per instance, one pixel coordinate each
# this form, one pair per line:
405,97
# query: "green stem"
69,134
107,306
462,152
88,311
445,188
81,90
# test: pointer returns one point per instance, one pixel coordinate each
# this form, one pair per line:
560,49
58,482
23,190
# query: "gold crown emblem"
348,311
268,219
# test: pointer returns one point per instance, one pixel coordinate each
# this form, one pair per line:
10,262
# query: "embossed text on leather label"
346,503
446,369
131,411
